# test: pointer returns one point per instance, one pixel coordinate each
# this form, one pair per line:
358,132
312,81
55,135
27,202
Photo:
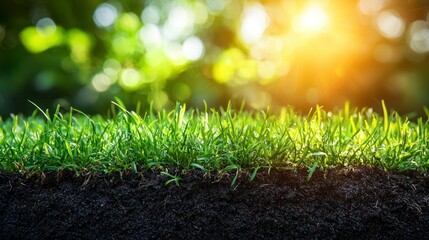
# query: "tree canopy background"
268,52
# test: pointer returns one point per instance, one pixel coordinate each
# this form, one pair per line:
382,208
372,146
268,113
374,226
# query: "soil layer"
360,203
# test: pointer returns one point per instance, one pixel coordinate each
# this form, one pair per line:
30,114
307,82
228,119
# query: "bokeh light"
418,36
46,26
111,67
313,19
390,24
151,15
42,37
180,23
101,82
105,15
193,48
150,35
80,44
131,79
215,6
265,52
254,23
371,6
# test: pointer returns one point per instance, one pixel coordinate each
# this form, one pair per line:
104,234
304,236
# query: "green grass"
224,140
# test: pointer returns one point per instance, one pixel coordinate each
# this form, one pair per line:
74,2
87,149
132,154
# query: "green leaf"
45,114
255,171
385,117
196,165
232,167
174,178
311,171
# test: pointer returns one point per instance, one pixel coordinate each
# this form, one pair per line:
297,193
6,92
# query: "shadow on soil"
364,203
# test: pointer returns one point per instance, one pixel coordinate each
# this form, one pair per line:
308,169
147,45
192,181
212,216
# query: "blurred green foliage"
85,53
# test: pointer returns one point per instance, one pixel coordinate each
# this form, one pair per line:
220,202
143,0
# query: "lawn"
211,139
214,173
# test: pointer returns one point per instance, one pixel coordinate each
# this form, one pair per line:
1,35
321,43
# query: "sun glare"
312,20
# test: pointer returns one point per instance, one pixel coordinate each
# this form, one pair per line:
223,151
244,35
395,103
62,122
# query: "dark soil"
364,203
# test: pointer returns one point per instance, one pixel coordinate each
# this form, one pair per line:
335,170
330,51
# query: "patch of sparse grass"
224,140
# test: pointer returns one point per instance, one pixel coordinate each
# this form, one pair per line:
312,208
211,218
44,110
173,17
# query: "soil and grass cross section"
349,173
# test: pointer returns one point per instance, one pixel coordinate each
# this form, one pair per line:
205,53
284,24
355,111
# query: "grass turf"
212,139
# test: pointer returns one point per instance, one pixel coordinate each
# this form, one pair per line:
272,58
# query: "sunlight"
312,20
254,23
